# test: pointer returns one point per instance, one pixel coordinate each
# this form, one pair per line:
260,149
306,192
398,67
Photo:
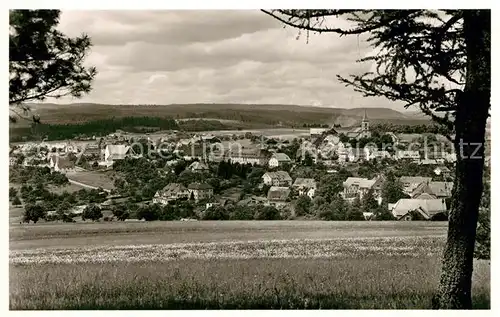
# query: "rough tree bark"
470,124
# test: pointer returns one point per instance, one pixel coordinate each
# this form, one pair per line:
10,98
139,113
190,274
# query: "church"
361,132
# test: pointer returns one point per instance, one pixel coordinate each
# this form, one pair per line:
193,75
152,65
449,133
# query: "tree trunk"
470,124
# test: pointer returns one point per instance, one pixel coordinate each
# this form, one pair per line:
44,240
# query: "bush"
215,213
242,213
34,213
92,212
16,201
268,213
483,237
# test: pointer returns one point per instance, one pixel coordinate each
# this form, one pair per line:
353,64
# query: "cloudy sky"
163,57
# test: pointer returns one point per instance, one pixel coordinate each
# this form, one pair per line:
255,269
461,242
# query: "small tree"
120,212
382,213
12,193
242,213
92,212
268,213
302,205
62,209
16,201
392,190
369,204
34,213
216,213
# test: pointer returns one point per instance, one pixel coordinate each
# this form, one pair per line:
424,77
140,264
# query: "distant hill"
255,115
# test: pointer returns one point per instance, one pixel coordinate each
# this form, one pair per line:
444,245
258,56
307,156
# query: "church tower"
365,125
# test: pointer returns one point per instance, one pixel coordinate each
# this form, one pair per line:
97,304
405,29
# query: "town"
330,174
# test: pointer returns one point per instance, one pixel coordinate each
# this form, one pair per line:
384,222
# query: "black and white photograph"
249,159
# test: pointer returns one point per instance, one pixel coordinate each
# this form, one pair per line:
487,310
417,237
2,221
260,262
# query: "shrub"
268,213
215,213
92,212
34,213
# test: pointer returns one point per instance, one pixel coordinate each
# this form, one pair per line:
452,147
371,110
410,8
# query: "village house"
360,132
407,155
305,186
200,191
115,152
433,189
248,156
278,196
198,167
369,152
417,209
278,159
171,192
92,150
279,178
61,164
356,187
316,132
410,183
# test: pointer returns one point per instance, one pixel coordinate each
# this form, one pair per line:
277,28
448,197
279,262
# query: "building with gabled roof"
171,192
434,189
416,209
410,183
305,186
200,191
357,187
198,167
361,132
278,196
278,159
278,178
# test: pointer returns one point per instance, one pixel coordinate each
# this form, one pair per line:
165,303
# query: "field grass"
230,265
94,178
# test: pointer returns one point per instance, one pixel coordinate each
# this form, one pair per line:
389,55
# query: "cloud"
166,57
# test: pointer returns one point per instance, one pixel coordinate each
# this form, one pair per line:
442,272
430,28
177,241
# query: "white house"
279,178
408,155
198,167
116,152
200,191
278,159
61,164
410,183
412,209
171,192
305,186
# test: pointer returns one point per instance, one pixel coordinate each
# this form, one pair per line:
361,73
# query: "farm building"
278,159
305,186
410,183
277,196
433,189
419,209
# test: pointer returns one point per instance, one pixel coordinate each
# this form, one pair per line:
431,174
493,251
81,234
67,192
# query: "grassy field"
97,179
230,265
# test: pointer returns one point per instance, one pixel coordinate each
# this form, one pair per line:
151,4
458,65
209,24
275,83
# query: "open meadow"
230,264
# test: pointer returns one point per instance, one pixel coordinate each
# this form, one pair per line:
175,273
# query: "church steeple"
365,124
